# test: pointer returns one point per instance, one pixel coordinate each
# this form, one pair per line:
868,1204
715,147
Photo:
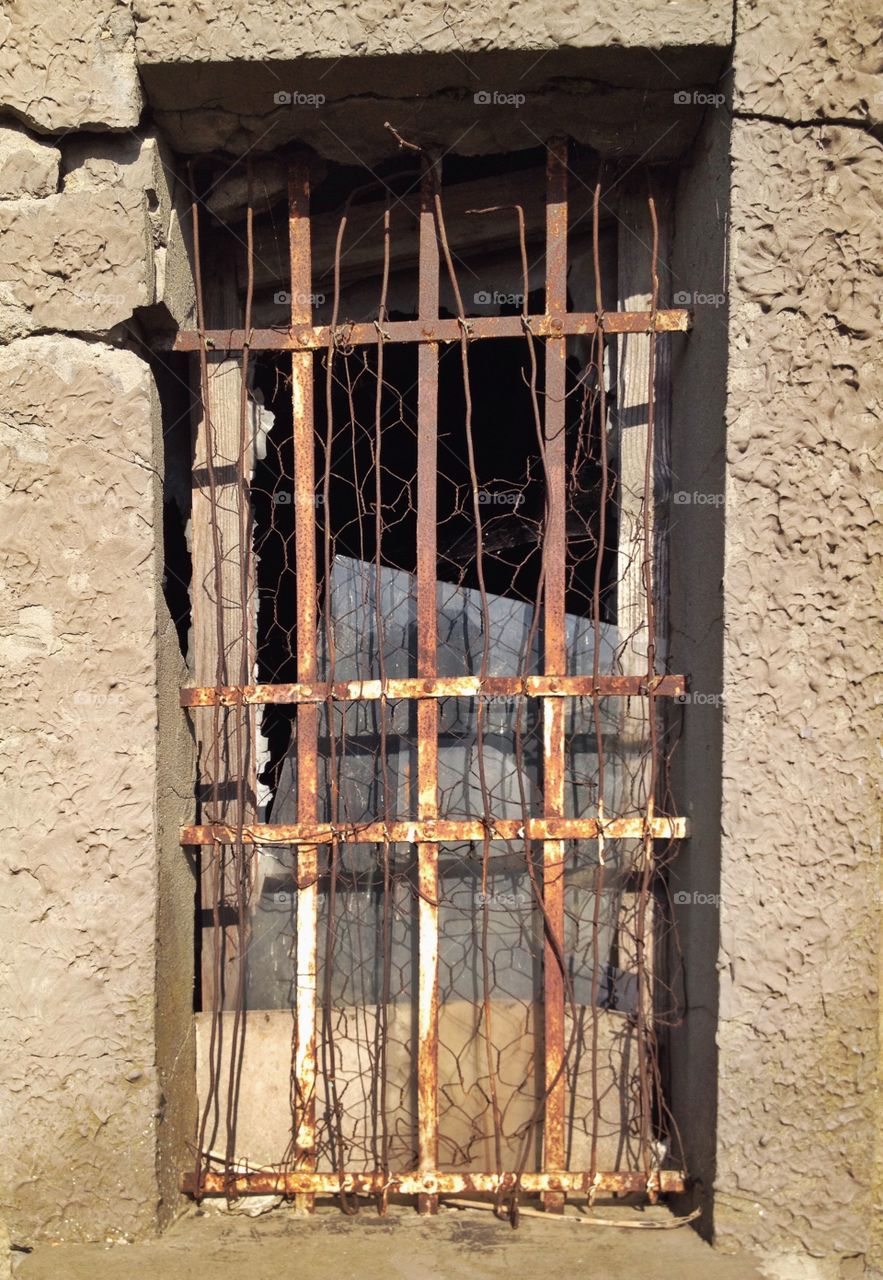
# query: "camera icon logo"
482,298
282,499
680,898
282,98
683,98
681,498
682,298
481,98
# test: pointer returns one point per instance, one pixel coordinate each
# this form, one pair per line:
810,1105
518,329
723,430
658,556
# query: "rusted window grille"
498,880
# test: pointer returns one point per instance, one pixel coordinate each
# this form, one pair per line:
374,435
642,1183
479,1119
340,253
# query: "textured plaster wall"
78,1086
169,31
808,61
800,903
605,75
798,1106
70,66
96,900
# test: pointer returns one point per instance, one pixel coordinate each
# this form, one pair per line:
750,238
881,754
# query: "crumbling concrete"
28,166
84,260
332,79
169,32
79,879
71,67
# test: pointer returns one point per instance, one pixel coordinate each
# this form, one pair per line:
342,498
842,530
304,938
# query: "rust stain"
673,320
427,710
439,831
307,714
665,686
667,1181
555,570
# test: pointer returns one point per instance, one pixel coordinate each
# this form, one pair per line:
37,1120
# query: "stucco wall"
798,1104
799,883
95,898
78,1079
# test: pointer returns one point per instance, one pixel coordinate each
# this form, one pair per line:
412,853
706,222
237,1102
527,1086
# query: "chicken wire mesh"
376,523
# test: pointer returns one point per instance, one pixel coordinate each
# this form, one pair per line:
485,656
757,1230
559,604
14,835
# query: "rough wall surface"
78,1094
258,81
799,879
85,259
79,263
28,166
69,67
808,61
169,30
94,1102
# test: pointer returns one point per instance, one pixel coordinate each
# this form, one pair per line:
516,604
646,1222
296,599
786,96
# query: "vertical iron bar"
555,663
646,1057
427,709
307,716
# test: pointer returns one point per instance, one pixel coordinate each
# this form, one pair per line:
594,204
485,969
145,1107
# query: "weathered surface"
809,61
482,79
83,260
78,878
351,130
141,164
401,1246
799,881
71,67
169,31
28,166
75,263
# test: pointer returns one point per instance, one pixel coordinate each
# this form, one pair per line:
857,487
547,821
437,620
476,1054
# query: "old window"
428,660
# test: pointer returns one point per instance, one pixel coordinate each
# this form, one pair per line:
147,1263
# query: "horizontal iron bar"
298,1182
436,831
437,687
315,337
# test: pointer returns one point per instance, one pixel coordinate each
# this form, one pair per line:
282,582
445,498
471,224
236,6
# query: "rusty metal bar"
427,709
438,831
670,686
555,657
265,1183
304,337
306,946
